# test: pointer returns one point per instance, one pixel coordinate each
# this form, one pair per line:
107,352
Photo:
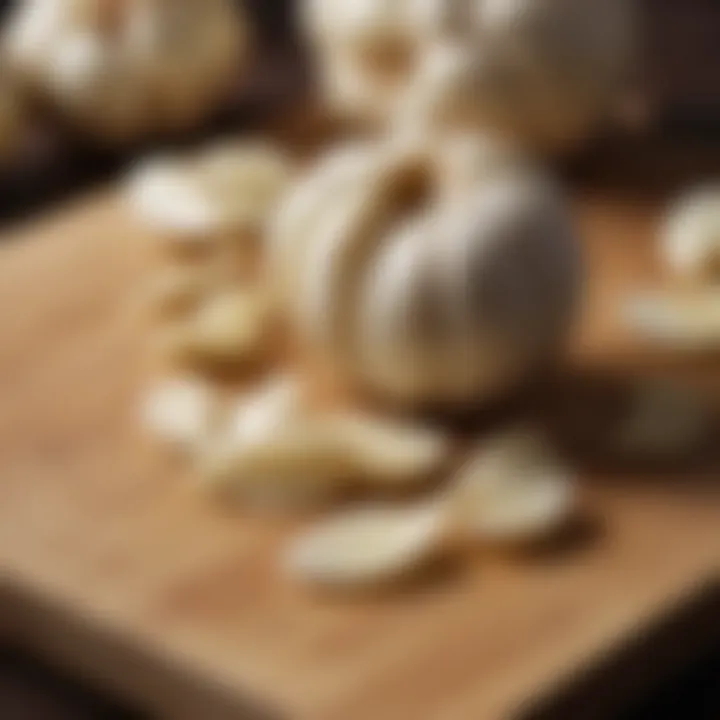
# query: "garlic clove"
690,236
232,326
523,513
513,490
387,453
162,195
229,187
367,547
179,411
685,320
663,419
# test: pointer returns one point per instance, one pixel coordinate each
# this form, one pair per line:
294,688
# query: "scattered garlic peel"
366,547
178,411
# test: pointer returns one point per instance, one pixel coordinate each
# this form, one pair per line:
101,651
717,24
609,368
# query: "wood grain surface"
113,566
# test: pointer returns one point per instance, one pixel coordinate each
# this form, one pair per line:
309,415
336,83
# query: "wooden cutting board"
114,566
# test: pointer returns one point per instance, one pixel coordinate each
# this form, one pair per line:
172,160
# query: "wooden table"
114,567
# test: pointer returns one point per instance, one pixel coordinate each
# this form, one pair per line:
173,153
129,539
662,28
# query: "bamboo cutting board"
113,566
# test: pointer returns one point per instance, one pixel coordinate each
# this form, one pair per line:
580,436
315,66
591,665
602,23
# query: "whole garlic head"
544,72
690,242
121,69
367,50
427,281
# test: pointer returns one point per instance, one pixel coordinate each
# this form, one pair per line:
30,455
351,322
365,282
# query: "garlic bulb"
121,69
426,280
366,50
223,193
690,241
545,72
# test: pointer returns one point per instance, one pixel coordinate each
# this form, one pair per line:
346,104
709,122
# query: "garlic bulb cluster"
121,69
433,277
544,72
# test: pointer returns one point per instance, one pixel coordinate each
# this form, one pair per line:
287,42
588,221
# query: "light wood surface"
114,566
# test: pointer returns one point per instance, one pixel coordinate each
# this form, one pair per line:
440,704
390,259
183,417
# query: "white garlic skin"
690,236
449,304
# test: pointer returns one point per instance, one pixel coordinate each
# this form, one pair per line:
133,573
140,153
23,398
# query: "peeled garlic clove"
279,401
387,453
179,411
225,191
230,327
367,547
245,178
663,419
265,451
513,490
162,194
295,458
535,509
689,319
690,241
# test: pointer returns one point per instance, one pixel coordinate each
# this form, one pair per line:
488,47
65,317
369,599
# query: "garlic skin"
449,301
690,236
123,69
224,193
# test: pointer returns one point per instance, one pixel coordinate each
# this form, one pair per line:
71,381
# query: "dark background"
682,77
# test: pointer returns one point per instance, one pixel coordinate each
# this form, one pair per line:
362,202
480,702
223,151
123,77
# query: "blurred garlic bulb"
690,243
223,193
428,279
366,51
544,72
121,69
